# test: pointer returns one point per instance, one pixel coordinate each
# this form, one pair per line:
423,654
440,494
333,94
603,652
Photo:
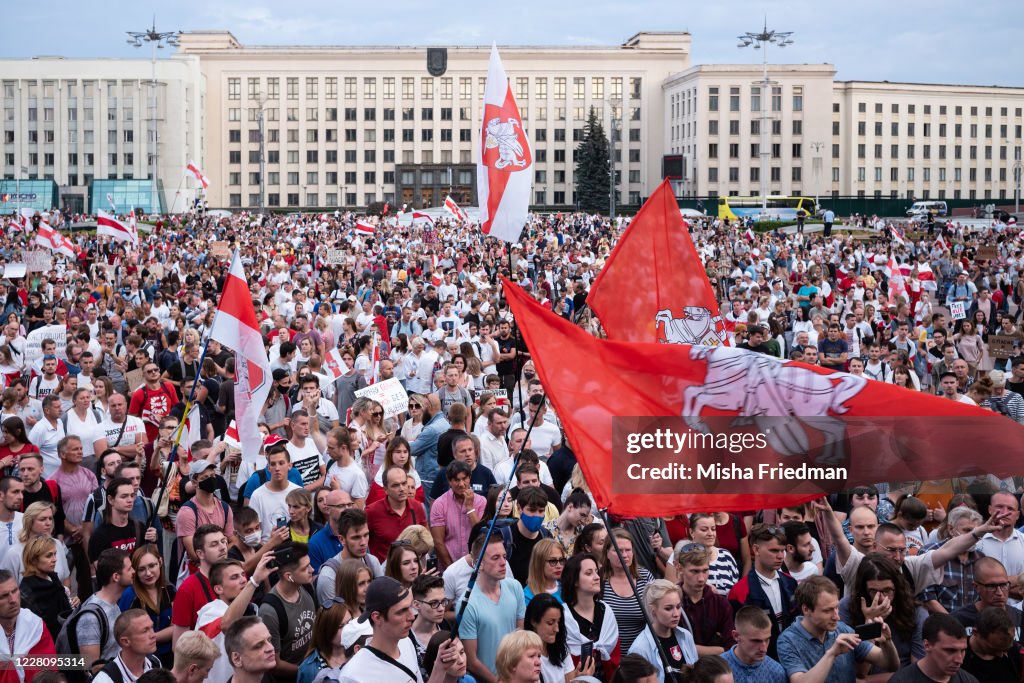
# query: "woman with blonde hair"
546,565
370,434
38,520
421,541
487,401
474,368
300,515
351,583
41,590
519,657
414,423
617,591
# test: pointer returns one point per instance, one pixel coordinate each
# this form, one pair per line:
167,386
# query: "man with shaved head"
325,543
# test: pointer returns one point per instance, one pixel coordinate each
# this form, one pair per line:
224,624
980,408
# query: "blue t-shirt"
799,651
488,622
767,671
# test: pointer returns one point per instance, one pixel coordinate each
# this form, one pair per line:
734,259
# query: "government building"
297,127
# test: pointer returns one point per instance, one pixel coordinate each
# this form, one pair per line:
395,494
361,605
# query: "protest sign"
13,271
335,257
390,393
38,261
34,342
958,310
220,250
135,378
987,253
1003,345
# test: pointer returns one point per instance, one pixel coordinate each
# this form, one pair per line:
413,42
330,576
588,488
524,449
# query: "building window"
798,99
734,99
713,99
234,88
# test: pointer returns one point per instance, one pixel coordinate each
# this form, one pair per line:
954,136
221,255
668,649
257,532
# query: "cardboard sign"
135,378
34,342
987,253
1003,345
958,310
390,393
157,270
38,261
220,250
13,271
334,257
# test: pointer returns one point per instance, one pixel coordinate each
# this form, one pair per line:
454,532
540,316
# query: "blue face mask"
532,522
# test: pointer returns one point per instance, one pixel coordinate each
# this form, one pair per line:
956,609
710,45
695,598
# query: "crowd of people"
343,550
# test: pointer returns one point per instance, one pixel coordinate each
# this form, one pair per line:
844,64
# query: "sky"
936,41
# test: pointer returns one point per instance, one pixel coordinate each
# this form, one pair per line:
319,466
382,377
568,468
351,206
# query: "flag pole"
665,661
490,528
518,342
178,433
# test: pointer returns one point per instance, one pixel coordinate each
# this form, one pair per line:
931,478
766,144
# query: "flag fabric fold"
51,238
591,381
111,227
454,208
236,327
504,169
193,170
654,275
420,218
364,228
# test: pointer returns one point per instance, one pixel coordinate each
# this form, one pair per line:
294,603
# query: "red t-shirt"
195,592
385,524
152,405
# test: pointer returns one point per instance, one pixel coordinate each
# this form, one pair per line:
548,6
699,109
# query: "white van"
922,209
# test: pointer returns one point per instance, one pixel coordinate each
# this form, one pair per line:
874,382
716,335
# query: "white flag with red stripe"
334,365
419,218
897,235
193,169
236,327
897,280
191,431
52,239
941,242
231,436
111,227
364,228
504,171
454,209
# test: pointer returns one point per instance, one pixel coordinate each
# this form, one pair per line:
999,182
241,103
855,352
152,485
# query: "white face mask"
252,540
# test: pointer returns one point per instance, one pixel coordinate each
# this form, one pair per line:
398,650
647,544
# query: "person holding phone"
544,617
818,647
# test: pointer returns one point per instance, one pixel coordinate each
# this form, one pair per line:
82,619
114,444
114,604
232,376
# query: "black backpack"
263,476
67,639
114,671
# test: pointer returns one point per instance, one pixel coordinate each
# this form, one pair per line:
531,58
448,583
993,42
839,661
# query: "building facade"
840,138
349,126
80,121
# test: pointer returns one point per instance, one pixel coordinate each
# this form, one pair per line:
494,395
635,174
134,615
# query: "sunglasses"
331,602
415,406
401,543
377,414
692,546
555,561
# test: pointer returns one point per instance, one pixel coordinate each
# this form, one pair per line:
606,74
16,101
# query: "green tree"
593,174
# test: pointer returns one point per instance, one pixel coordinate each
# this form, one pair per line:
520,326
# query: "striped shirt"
626,610
724,573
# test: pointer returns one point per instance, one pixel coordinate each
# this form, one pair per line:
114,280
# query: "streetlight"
760,41
1016,177
614,126
263,157
816,147
156,40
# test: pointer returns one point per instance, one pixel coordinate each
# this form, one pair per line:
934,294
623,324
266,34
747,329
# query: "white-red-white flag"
236,327
113,228
334,365
364,228
504,170
454,208
897,280
419,218
231,436
51,238
193,168
191,431
133,225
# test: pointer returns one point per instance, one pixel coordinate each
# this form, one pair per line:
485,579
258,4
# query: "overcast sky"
936,41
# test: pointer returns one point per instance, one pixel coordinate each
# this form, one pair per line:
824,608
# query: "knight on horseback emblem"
697,327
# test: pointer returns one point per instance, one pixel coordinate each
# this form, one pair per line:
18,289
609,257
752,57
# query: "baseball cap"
272,440
353,630
199,466
382,594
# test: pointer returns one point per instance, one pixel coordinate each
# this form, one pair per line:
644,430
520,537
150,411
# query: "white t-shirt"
366,666
40,387
350,478
9,533
110,430
84,429
543,438
46,437
271,507
307,460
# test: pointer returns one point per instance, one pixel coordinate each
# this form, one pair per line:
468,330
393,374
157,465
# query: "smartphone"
869,631
586,652
282,523
431,562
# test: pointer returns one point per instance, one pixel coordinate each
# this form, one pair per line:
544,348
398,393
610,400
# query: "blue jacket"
645,646
323,545
424,449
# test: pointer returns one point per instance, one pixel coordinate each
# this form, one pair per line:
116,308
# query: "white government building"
348,126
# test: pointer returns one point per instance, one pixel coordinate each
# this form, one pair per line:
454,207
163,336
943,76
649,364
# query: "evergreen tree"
593,174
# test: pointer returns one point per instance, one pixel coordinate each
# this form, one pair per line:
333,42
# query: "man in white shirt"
123,432
421,370
545,437
493,448
269,500
1006,544
303,451
343,472
47,433
12,493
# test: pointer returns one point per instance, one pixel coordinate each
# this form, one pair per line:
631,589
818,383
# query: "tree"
593,172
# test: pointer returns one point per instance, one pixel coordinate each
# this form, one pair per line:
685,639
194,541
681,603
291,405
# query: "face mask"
209,485
252,540
532,522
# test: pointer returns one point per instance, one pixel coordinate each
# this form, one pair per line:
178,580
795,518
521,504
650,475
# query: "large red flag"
786,414
236,327
653,287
